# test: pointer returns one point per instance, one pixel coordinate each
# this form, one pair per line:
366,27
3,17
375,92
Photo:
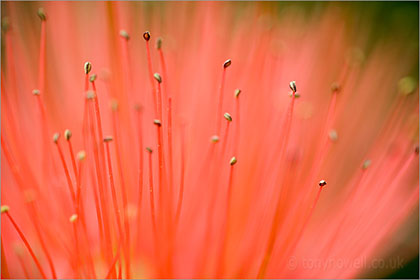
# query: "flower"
243,145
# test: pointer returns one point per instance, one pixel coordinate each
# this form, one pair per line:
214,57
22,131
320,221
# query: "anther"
366,164
67,134
335,87
36,92
233,161
73,218
90,94
56,136
81,156
108,139
416,150
114,105
157,77
322,183
149,149
237,92
214,139
157,122
138,107
5,24
333,135
92,78
87,67
146,35
42,14
228,117
407,85
292,86
227,63
124,34
4,209
159,43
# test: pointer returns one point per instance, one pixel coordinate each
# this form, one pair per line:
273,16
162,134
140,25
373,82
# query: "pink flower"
239,144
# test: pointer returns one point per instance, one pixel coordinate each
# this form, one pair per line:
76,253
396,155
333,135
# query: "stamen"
5,210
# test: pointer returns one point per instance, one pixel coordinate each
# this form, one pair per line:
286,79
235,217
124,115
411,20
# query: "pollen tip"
90,94
73,218
56,136
407,85
159,43
67,134
228,117
92,78
108,139
292,86
237,92
41,14
124,34
322,183
366,164
214,139
333,135
4,209
114,105
149,149
233,161
416,150
5,24
87,67
81,156
36,92
138,107
227,63
157,122
335,87
146,35
157,77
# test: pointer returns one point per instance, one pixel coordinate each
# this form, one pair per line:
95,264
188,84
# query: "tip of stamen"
92,78
416,150
108,139
159,43
292,86
322,183
407,85
237,92
146,35
90,94
366,164
36,92
157,77
233,161
214,139
56,136
87,67
227,63
124,34
114,105
333,135
335,87
157,122
73,218
149,149
81,156
227,116
67,134
41,14
4,209
5,24
138,107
